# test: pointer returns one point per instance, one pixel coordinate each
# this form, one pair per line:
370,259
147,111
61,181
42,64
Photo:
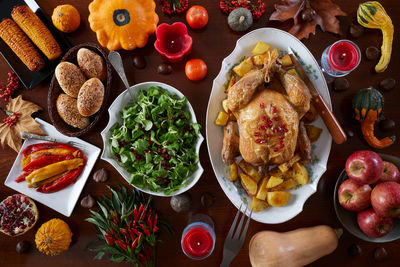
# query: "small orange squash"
125,24
53,237
66,18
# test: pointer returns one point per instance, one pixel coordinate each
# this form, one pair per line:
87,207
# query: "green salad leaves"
156,140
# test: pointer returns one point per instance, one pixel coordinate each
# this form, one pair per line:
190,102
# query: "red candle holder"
173,41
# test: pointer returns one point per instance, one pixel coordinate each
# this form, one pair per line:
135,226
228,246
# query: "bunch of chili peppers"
12,86
171,7
257,7
128,226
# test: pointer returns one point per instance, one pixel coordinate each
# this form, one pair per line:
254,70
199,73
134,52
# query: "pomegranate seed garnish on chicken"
262,105
274,110
258,140
264,118
276,118
256,134
276,149
18,214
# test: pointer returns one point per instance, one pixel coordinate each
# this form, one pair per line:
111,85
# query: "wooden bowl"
55,90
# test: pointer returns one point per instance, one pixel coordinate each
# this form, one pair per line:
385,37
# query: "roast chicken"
268,117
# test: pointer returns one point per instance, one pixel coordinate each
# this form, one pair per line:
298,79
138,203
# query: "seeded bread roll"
91,64
90,97
70,78
68,111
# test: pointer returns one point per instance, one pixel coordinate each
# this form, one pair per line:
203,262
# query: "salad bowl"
114,113
214,134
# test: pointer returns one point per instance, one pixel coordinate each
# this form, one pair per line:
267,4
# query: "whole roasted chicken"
268,116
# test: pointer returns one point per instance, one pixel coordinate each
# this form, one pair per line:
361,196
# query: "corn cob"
21,45
36,31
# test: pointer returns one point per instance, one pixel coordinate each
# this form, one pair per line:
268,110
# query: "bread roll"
90,97
70,78
91,64
68,111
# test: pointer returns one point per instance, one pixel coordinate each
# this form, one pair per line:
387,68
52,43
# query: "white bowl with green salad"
153,140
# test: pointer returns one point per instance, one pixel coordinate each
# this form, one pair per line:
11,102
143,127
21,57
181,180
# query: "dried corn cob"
36,31
21,45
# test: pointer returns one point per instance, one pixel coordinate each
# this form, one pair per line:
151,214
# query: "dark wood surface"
212,44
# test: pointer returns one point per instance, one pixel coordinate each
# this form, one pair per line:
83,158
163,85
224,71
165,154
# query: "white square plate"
62,201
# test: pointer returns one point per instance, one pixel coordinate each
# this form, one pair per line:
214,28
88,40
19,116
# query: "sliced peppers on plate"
50,167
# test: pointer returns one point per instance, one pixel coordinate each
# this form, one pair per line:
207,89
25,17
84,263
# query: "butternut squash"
292,249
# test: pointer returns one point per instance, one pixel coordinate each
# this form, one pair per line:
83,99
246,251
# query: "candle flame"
343,56
172,42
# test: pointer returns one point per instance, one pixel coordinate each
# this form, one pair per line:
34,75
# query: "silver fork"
25,135
234,241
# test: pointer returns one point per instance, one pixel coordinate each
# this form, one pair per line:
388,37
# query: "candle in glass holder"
173,41
198,238
340,58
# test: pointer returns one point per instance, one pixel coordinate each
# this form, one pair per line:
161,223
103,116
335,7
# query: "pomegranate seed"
170,118
274,110
286,130
276,149
256,134
276,118
281,137
260,127
183,117
262,141
267,135
279,129
283,125
258,140
179,141
262,105
281,142
264,118
274,130
282,146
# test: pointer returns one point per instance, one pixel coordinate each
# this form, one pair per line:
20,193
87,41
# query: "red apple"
364,167
385,199
353,196
390,173
374,225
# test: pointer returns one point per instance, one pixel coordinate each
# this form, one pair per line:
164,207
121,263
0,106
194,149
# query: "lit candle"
173,41
198,240
341,58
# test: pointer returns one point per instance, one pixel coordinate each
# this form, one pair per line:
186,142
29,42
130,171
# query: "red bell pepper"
64,181
41,146
44,161
22,177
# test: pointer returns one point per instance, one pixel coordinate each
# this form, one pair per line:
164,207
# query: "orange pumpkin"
125,24
53,237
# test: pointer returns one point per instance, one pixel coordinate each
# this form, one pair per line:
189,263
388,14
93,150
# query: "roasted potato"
311,115
293,72
230,83
286,61
233,172
248,184
278,198
313,132
276,172
258,60
274,181
300,173
225,105
262,189
258,205
222,118
260,48
244,67
286,185
250,171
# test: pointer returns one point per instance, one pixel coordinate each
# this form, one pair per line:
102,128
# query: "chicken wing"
230,145
304,144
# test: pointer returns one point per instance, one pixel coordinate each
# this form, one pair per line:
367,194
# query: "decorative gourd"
368,107
66,18
373,15
292,249
124,24
53,237
240,19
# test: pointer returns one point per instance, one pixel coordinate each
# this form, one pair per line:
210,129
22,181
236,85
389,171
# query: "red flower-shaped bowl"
173,41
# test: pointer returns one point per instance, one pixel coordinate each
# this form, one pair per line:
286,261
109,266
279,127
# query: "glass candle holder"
198,238
340,58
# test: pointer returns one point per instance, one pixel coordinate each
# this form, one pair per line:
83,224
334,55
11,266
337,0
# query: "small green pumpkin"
368,107
240,19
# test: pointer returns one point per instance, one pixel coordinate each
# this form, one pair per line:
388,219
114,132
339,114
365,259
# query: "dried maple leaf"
324,16
25,123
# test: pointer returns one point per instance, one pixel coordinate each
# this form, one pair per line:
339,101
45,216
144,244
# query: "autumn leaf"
25,123
324,16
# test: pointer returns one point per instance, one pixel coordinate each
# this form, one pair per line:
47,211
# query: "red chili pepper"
44,161
114,232
134,243
123,231
135,214
110,240
135,231
41,146
142,258
148,251
64,181
155,229
131,234
155,220
145,230
149,222
121,244
140,209
22,177
126,239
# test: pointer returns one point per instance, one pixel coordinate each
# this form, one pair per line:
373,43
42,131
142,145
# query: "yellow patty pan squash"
125,24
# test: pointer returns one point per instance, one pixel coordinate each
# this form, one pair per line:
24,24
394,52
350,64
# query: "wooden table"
212,44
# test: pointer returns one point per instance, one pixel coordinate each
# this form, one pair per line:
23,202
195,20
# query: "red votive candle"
344,56
198,240
173,41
